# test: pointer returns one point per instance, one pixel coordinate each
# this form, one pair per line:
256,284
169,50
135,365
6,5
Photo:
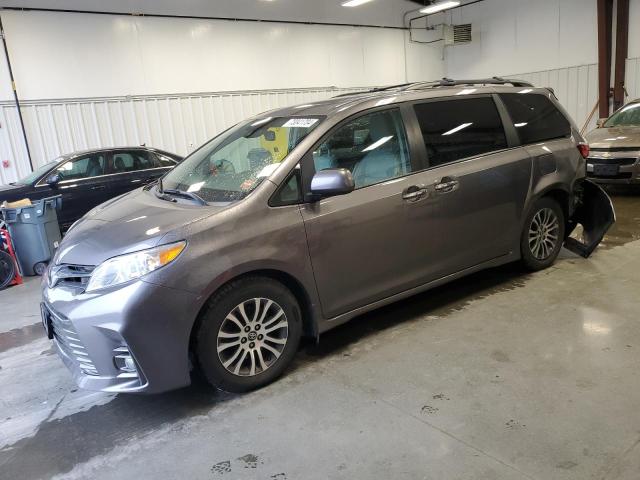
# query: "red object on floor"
5,240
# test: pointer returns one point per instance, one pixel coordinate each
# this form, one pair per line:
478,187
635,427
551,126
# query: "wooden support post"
622,45
605,16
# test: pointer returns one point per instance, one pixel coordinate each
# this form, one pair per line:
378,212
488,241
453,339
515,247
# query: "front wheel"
542,235
7,269
248,334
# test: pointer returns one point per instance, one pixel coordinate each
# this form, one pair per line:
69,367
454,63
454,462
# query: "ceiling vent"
457,34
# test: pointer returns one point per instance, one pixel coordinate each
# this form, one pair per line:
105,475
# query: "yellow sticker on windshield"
279,146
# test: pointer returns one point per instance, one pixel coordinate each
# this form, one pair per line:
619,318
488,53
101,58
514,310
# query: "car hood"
614,137
126,224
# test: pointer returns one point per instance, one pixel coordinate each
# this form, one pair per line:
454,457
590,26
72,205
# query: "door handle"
415,193
98,187
446,185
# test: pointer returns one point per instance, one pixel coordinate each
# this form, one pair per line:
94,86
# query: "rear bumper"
150,323
595,213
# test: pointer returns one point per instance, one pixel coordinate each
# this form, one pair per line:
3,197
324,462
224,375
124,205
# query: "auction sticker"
300,122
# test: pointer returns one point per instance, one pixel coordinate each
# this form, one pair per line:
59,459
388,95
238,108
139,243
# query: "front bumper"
151,322
618,168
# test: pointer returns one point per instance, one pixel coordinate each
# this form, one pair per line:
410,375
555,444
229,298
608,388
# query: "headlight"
128,267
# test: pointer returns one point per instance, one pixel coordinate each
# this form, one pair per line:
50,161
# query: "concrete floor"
498,376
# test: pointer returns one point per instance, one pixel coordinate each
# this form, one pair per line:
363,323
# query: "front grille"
612,160
75,276
615,149
65,334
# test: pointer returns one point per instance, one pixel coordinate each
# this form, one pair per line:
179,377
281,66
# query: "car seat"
323,159
94,168
259,158
118,165
382,162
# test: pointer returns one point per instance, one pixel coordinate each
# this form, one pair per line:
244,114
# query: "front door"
377,240
83,185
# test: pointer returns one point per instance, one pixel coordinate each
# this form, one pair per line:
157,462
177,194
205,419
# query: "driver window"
83,167
373,147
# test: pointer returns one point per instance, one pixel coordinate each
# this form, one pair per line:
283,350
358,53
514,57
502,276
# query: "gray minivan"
295,221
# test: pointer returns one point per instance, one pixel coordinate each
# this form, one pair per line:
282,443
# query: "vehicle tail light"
584,149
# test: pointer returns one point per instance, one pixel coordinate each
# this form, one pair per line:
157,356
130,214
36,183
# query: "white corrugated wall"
177,123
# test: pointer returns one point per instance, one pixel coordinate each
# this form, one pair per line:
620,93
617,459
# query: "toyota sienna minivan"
295,221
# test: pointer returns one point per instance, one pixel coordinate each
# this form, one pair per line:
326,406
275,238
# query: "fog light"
124,361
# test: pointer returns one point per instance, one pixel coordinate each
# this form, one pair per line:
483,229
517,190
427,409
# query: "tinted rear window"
455,129
535,117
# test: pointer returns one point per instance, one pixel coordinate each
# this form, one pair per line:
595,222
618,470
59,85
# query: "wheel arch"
295,286
560,193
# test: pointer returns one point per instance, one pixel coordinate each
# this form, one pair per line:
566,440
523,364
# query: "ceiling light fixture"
438,7
354,3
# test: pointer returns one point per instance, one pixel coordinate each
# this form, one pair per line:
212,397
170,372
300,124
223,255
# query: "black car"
88,178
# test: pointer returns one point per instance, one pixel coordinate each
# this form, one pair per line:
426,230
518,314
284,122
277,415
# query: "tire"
238,350
542,235
39,268
7,269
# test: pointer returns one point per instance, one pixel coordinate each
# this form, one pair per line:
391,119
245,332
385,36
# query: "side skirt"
345,317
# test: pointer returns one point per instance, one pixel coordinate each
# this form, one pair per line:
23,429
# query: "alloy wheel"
252,337
544,233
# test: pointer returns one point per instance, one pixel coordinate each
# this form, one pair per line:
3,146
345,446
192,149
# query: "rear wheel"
542,235
248,334
7,269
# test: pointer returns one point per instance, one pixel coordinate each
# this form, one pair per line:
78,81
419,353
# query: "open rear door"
596,215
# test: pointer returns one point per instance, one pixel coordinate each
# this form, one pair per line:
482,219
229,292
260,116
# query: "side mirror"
331,182
600,122
52,179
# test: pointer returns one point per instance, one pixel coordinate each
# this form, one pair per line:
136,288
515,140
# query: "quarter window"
373,147
455,129
535,117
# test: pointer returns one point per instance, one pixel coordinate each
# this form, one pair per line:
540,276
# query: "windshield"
38,172
627,115
233,164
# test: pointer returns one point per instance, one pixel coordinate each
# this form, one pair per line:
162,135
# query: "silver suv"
299,219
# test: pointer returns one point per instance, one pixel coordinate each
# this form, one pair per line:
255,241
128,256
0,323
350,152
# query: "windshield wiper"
180,193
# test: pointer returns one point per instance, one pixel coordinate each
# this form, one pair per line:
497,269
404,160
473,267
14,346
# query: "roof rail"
448,82
445,82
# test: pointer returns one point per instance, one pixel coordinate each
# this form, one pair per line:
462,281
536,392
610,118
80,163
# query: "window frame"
511,135
307,166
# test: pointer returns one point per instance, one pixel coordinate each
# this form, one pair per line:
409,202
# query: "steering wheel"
222,166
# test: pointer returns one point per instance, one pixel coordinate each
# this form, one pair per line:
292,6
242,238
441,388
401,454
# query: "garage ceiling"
377,12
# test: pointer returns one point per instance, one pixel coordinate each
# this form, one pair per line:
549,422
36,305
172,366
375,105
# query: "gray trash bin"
35,233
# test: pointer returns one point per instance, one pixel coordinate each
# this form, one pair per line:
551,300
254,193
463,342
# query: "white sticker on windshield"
300,122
